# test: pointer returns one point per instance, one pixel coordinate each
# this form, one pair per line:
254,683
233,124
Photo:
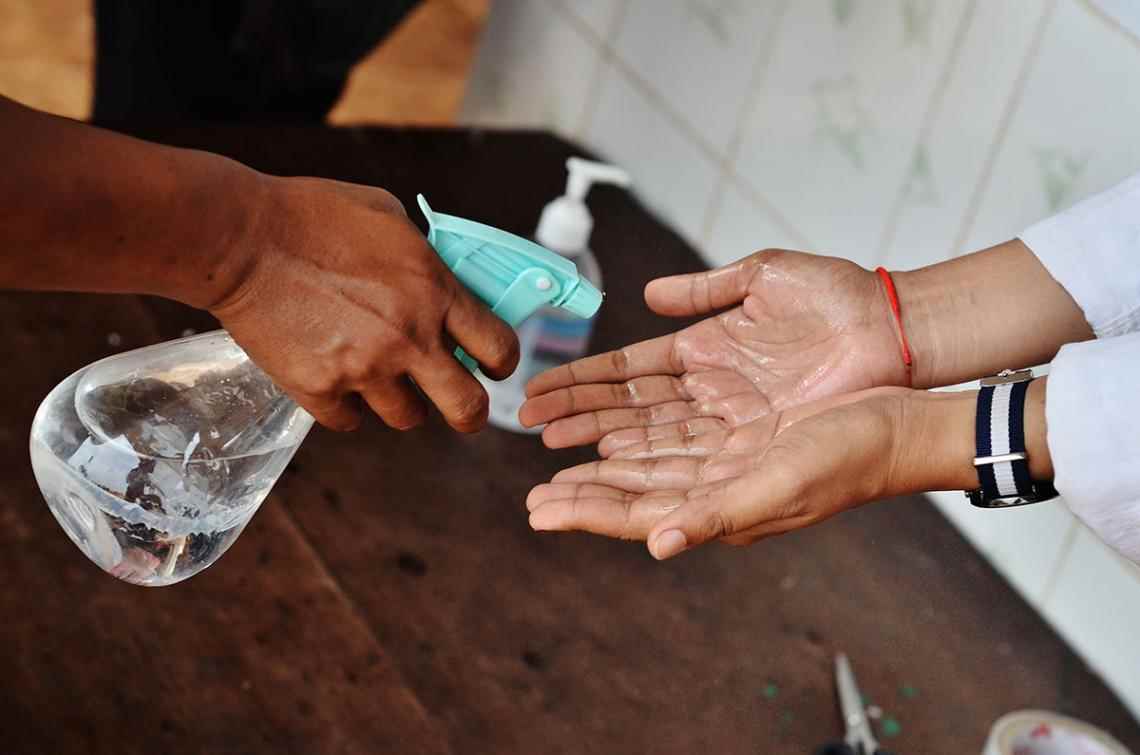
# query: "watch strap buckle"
1005,377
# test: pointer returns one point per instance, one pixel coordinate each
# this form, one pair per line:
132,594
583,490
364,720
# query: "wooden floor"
417,76
389,596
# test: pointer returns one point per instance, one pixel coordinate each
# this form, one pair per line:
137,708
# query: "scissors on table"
860,738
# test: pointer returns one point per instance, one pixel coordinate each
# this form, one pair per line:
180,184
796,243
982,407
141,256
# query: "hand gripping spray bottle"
153,461
552,336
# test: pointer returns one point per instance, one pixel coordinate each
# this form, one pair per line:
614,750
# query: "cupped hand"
339,296
800,327
781,472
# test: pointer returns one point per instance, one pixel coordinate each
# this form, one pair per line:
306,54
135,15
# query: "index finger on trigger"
483,335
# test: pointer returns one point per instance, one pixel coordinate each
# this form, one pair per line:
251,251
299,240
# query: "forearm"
90,210
975,315
936,440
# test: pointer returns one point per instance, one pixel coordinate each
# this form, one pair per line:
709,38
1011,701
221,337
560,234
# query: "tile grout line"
1063,554
666,108
933,113
762,203
1006,119
603,51
712,212
681,123
1110,20
742,182
756,83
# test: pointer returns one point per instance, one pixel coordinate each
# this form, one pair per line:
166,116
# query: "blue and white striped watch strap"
1003,468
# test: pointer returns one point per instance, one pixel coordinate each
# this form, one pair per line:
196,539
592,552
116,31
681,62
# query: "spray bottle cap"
566,223
511,275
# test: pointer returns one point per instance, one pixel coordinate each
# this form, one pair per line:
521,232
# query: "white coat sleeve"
1092,405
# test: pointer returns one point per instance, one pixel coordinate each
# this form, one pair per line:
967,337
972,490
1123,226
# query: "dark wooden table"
390,598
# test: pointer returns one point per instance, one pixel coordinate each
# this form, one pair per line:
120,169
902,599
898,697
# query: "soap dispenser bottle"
550,338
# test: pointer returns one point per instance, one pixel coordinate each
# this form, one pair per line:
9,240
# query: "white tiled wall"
532,70
677,49
964,120
896,132
1073,125
626,122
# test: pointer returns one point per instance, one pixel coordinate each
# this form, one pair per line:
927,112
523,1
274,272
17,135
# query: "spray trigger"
511,275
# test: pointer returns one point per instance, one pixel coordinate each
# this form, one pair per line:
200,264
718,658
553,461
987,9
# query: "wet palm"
774,474
801,327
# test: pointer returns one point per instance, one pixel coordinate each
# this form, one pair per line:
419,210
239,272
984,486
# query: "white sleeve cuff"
1092,411
1093,250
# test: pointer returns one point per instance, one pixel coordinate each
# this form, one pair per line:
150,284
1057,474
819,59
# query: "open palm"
800,327
774,474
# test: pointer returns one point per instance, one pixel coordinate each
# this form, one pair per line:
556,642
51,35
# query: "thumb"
700,293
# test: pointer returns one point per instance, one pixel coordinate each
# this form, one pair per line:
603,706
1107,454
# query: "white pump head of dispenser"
566,223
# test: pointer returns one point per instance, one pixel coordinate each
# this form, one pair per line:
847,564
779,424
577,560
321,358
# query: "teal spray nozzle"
512,275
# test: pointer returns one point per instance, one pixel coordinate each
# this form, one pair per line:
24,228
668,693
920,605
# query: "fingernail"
544,518
668,544
539,495
531,501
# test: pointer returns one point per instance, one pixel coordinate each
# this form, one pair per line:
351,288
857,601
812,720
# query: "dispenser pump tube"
582,174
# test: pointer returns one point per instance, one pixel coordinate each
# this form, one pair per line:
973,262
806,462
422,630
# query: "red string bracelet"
893,298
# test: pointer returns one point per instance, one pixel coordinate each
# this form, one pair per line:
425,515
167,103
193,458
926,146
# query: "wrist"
977,314
223,206
922,302
936,443
936,440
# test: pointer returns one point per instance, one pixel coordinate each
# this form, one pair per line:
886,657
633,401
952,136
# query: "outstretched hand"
799,327
774,474
344,299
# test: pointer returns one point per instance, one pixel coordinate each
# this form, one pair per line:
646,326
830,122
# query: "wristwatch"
999,429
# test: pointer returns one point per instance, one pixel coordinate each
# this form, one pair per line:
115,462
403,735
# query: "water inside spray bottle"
154,461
